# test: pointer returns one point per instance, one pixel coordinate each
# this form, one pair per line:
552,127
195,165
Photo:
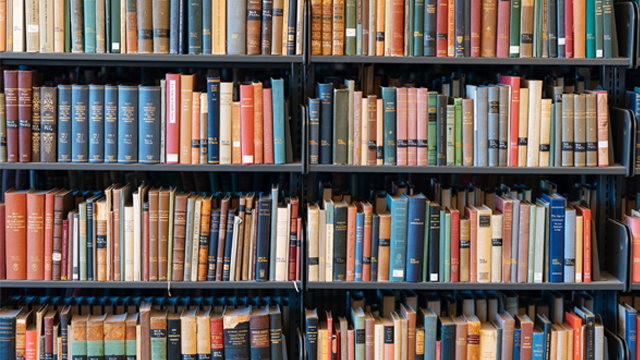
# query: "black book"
174,350
340,241
430,27
460,28
264,238
275,332
311,320
314,130
441,127
553,28
434,243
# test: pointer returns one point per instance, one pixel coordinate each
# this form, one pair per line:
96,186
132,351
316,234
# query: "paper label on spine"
514,49
599,53
32,28
398,272
172,157
247,159
434,277
560,41
351,32
115,46
603,144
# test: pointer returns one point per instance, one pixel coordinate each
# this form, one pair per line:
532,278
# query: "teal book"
89,26
590,29
195,27
430,322
389,120
538,344
432,121
599,31
357,318
350,23
425,253
447,247
457,102
514,28
114,27
278,121
82,251
450,135
411,18
398,207
418,28
207,42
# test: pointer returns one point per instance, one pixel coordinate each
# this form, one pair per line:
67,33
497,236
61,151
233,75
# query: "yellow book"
488,341
189,330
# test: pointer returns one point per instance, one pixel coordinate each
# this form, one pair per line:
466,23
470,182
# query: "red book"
195,128
568,29
16,234
258,126
397,28
25,83
634,225
586,245
338,351
31,346
455,245
504,18
11,105
422,127
35,235
145,242
476,27
505,207
48,234
172,142
438,351
3,275
401,125
575,322
268,126
329,330
293,242
514,118
442,28
298,249
367,209
217,337
351,242
247,123
48,333
412,127
65,250
472,214
526,335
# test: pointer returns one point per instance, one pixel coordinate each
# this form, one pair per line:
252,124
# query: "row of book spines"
447,28
420,127
137,26
214,133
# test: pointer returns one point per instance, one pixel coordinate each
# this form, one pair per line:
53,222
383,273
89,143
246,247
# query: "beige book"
128,242
277,29
533,133
323,351
46,19
138,198
248,232
281,243
561,346
496,247
219,26
378,349
285,26
484,232
18,25
579,244
226,102
32,21
233,274
569,330
553,345
299,27
203,332
123,27
464,249
236,133
523,126
312,241
387,28
189,328
101,27
9,26
195,239
488,341
545,134
400,336
364,133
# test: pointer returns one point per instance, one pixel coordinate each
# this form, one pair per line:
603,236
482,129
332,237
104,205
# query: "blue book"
628,315
633,103
8,333
417,209
64,123
517,343
556,237
111,124
430,321
545,325
128,124
228,245
213,122
195,27
389,119
206,27
448,338
176,22
325,93
214,233
278,121
96,123
314,131
398,207
237,27
149,117
359,244
538,344
89,26
79,123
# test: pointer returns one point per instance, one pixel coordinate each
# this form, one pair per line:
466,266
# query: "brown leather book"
267,27
35,123
258,123
316,27
114,328
101,31
154,197
372,128
35,235
277,27
397,28
259,333
63,203
327,27
79,328
16,233
179,233
248,226
337,45
48,233
161,26
101,216
131,26
285,26
48,124
145,329
489,28
224,208
23,321
130,328
11,106
95,328
203,249
254,19
186,99
163,231
461,337
158,328
25,82
145,26
473,337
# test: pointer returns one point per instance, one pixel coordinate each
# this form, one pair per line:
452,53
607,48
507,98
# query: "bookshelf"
285,168
621,61
611,170
204,285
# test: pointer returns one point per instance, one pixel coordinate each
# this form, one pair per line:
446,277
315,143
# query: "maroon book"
65,249
11,105
25,83
145,242
2,234
504,15
476,27
442,28
293,240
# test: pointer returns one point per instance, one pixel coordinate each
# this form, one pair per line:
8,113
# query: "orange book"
236,139
380,13
48,234
195,128
384,235
337,45
267,134
351,242
31,346
575,322
586,242
35,235
634,225
3,25
579,29
257,123
186,99
397,28
205,230
472,214
132,27
247,124
16,234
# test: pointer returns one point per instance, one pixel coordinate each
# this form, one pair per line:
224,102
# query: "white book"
195,241
32,20
237,222
46,25
137,237
204,128
108,204
541,227
163,118
378,349
322,247
281,243
364,133
484,230
128,243
533,133
523,126
496,248
545,134
579,244
329,207
18,25
599,340
471,94
226,102
312,242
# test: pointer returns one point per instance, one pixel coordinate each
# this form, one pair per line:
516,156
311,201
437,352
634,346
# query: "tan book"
277,27
130,335
189,330
299,27
203,332
186,100
488,341
161,24
465,242
219,26
101,239
473,337
164,197
364,132
523,126
95,328
24,319
337,44
154,197
461,336
567,129
79,330
123,27
58,25
32,22
45,29
248,233
545,133
285,27
114,330
484,246
400,335
101,35
236,134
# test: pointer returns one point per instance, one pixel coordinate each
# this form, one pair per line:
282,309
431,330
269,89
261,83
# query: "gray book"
340,125
515,231
541,234
351,85
493,119
569,244
567,129
482,111
503,136
191,202
591,129
236,27
450,134
579,131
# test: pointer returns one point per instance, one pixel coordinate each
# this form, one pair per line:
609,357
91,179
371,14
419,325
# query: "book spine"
111,110
389,99
144,30
502,46
460,27
195,27
384,242
430,28
36,107
254,19
442,28
552,9
263,240
291,30
314,130
96,124
213,125
372,130
482,112
293,239
278,121
350,27
128,124
176,26
340,243
207,27
514,29
214,231
77,26
450,129
419,12
441,129
131,20
401,126
149,119
489,25
556,247
267,26
267,133
236,28
327,27
579,28
24,101
337,43
355,231
79,123
526,29
434,244
48,127
247,123
161,23
607,26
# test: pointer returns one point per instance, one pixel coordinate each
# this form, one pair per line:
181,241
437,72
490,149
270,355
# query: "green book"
90,26
591,29
172,200
537,31
350,27
411,18
450,134
432,119
67,26
425,255
514,29
457,102
599,29
82,251
418,28
608,25
114,28
351,85
389,121
341,126
445,245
